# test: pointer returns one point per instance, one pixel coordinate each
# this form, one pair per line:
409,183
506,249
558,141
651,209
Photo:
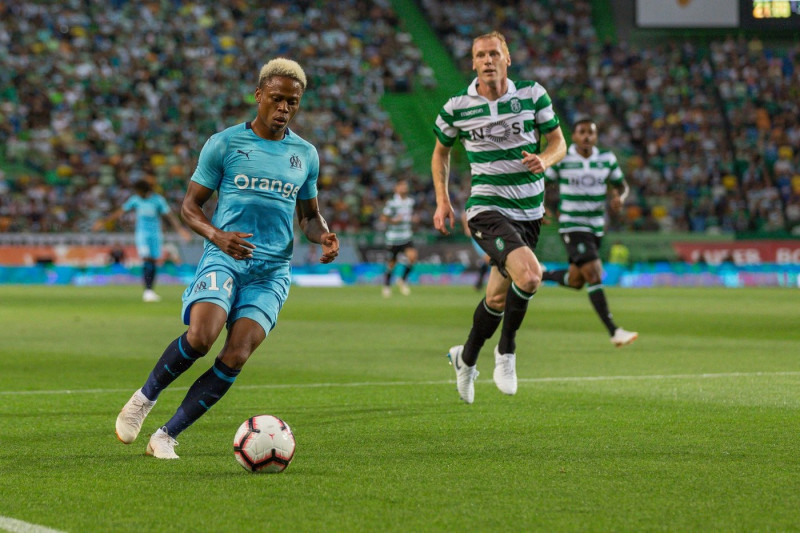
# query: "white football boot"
130,419
622,337
161,445
150,296
505,372
405,290
386,291
465,375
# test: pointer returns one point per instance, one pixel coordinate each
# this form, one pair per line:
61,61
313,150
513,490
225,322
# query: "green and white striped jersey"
583,187
494,134
399,232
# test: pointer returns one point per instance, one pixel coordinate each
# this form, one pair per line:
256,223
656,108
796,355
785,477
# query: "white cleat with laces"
161,445
130,419
505,372
465,375
622,337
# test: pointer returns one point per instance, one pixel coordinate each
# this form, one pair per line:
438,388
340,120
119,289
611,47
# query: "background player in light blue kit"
264,174
149,207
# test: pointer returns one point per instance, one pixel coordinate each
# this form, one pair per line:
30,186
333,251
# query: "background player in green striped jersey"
398,215
501,124
584,177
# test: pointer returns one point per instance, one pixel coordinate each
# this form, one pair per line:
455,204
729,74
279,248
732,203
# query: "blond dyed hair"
281,66
493,35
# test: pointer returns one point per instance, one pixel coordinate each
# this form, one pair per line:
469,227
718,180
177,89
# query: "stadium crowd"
708,134
94,95
98,94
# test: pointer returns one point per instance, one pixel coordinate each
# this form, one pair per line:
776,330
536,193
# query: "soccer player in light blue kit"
264,174
149,207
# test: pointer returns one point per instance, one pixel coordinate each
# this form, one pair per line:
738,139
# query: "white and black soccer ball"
264,443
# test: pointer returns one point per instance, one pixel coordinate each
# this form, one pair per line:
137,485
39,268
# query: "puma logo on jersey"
246,154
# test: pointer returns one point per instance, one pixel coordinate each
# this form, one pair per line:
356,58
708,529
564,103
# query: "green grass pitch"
694,427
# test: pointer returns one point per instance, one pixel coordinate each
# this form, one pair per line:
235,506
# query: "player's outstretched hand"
330,247
533,162
234,244
442,216
615,202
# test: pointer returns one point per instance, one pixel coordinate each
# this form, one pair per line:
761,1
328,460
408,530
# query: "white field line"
566,379
18,526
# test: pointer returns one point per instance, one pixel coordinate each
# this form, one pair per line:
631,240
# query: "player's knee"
235,357
529,281
576,283
593,276
594,280
201,339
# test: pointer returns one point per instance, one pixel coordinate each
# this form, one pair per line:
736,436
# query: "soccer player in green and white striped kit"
584,177
398,215
501,124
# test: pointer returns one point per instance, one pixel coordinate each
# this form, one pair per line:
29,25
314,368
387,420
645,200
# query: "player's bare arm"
105,222
316,229
233,243
440,169
555,152
178,227
618,196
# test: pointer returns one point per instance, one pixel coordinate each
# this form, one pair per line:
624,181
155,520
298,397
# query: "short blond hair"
493,35
281,66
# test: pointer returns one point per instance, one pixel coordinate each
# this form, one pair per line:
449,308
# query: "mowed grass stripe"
691,428
565,379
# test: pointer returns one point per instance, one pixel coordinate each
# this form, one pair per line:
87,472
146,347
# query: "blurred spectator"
619,254
94,94
708,135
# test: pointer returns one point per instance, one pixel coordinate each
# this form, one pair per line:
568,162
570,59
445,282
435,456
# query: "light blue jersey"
258,182
147,234
148,212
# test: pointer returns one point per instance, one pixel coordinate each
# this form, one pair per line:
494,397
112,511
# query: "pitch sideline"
18,526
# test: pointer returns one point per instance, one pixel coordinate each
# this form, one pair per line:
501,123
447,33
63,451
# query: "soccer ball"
264,443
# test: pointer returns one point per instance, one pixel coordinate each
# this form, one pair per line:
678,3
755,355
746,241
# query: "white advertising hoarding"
687,13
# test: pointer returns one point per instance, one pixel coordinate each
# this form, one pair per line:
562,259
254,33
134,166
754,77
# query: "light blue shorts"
148,245
250,288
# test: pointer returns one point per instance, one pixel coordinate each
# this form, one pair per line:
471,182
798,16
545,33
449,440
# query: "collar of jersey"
249,126
472,90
